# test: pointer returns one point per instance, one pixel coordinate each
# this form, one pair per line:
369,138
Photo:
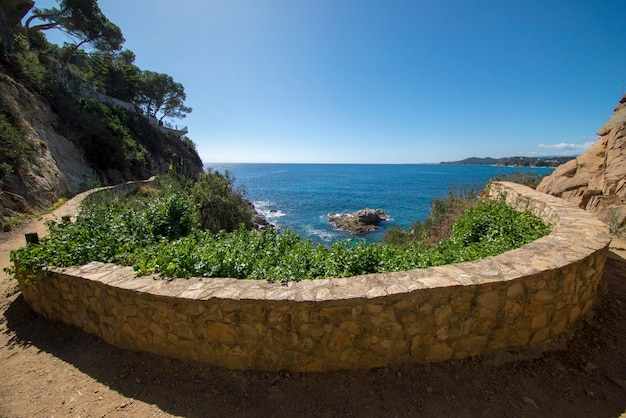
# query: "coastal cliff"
596,180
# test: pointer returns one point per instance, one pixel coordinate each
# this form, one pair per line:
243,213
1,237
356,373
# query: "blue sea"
301,196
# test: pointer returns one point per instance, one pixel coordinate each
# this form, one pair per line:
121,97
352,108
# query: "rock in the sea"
257,219
260,222
364,220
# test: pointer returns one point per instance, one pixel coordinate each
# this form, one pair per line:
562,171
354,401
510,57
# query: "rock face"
596,180
15,10
57,168
11,13
364,220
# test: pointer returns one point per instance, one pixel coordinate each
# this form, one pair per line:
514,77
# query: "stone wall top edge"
580,230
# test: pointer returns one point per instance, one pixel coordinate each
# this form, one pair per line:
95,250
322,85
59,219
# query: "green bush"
525,177
489,228
25,63
108,142
218,206
156,235
15,148
438,225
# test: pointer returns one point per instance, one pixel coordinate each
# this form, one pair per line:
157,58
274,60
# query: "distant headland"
513,161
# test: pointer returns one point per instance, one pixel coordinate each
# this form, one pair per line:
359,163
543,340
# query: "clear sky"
386,81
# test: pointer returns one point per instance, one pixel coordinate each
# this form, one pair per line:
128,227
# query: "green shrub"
489,228
218,206
525,177
108,142
25,63
438,225
15,148
156,235
169,217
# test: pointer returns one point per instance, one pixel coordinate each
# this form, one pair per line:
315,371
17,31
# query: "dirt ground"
48,369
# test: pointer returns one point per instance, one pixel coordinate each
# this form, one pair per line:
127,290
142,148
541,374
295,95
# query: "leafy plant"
218,206
15,148
438,225
156,234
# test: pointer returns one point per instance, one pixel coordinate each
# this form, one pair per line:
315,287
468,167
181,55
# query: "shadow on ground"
586,379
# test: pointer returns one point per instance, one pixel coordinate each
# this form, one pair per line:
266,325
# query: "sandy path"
15,239
48,369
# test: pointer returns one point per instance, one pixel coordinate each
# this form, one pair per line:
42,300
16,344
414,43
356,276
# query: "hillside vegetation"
513,161
73,118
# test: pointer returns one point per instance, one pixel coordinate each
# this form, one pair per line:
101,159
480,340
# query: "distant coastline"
513,161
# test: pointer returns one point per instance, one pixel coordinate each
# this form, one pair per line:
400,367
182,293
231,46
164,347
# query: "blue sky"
347,81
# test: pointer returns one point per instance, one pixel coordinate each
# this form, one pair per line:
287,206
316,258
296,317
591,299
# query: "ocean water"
301,196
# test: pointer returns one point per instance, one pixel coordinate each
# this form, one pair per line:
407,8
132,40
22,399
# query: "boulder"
11,14
361,221
596,180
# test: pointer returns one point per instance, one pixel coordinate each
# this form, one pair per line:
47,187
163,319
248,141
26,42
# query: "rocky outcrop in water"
596,180
361,221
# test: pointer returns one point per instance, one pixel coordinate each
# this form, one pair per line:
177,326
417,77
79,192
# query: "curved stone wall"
517,299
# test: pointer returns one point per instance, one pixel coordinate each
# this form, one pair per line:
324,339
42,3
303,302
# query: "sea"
301,196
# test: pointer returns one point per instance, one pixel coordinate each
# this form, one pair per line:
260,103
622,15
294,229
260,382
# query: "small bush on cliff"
23,63
15,148
107,138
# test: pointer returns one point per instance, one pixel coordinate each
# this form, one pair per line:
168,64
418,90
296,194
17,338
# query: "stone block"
472,345
518,337
574,315
439,352
491,301
539,321
540,335
218,332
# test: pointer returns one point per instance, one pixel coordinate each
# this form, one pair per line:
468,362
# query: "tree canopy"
82,20
160,96
97,54
116,73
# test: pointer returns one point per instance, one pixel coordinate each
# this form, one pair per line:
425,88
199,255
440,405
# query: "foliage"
525,177
24,63
15,148
82,20
616,226
190,144
160,96
108,141
490,227
218,206
438,225
156,234
116,73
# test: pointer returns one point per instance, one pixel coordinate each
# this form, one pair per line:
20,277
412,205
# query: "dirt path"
48,369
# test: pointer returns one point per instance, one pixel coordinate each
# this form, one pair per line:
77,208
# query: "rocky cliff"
61,156
596,180
11,13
